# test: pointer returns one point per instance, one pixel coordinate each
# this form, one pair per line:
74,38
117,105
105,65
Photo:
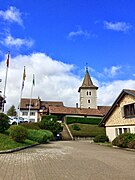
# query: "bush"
131,144
76,127
51,125
123,139
4,122
39,136
71,120
101,138
31,125
18,133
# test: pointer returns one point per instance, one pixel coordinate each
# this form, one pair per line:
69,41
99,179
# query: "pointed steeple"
87,82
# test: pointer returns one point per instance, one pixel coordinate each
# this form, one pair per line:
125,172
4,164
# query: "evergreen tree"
12,111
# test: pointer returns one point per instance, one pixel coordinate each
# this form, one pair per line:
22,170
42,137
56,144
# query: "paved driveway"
73,160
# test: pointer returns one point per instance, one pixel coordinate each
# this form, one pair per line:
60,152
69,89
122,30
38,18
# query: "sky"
55,40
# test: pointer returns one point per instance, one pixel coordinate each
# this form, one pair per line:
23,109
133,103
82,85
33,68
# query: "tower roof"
87,82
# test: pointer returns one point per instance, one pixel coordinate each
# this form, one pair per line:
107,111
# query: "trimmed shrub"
101,138
31,125
76,127
71,120
39,136
51,125
123,139
18,133
4,122
131,144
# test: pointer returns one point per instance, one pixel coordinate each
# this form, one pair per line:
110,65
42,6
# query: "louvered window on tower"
88,100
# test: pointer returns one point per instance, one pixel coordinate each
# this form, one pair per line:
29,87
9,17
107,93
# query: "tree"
4,122
12,111
50,123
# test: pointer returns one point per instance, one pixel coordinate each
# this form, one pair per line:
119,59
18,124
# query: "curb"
17,149
127,149
116,147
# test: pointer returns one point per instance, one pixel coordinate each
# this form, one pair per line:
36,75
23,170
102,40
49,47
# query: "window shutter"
122,112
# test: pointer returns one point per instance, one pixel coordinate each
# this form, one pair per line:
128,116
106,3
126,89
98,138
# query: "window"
88,93
129,110
119,131
126,130
24,113
88,100
32,113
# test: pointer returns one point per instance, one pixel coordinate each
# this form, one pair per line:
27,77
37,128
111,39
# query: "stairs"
66,134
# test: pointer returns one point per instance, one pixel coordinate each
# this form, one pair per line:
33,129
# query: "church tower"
88,93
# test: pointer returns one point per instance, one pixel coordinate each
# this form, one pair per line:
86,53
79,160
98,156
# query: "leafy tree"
4,122
51,123
12,111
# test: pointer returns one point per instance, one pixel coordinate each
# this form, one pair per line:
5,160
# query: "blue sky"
99,32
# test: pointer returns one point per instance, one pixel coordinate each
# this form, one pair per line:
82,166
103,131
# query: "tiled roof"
52,103
87,82
104,109
74,111
35,103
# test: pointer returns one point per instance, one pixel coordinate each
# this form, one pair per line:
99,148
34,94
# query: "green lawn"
87,130
7,143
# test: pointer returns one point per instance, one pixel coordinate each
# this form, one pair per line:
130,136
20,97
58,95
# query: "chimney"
76,105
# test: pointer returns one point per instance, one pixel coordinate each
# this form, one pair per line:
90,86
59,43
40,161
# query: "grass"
87,130
7,143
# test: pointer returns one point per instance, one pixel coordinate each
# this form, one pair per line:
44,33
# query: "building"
121,116
88,104
37,109
88,93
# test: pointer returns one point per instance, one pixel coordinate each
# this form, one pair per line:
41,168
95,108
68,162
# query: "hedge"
71,120
18,133
30,125
40,136
123,140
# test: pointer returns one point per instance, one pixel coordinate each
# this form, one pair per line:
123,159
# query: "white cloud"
113,71
53,79
12,15
108,92
117,26
80,32
17,42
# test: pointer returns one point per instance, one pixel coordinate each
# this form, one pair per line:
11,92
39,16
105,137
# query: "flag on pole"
7,61
24,76
33,80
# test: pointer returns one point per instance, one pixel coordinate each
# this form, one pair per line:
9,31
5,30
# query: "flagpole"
24,76
33,83
7,62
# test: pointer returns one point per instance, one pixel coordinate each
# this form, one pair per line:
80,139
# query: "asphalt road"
71,160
